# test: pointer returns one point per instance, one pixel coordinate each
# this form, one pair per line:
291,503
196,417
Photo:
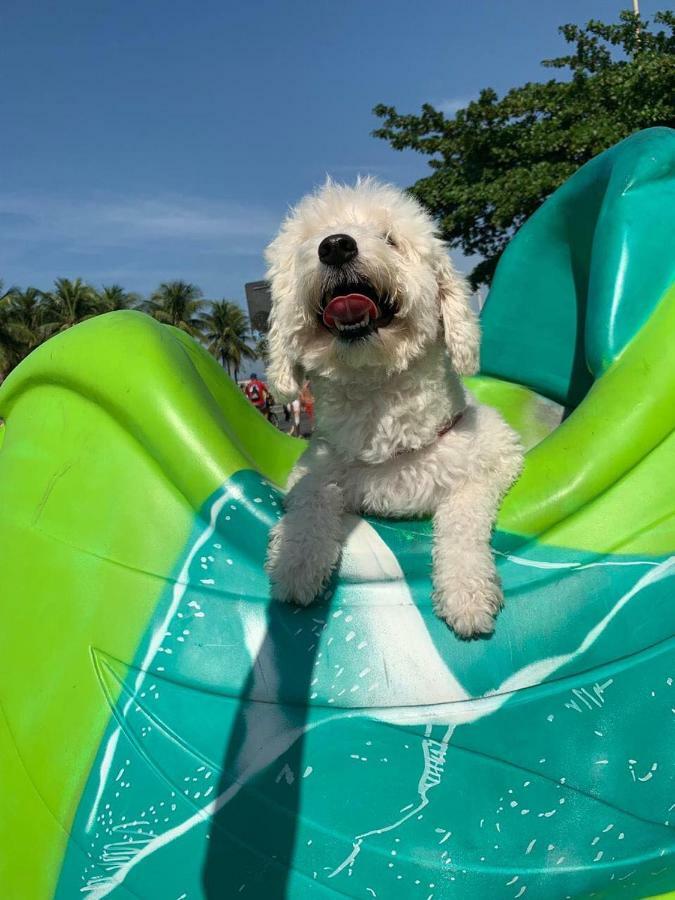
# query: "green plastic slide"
168,733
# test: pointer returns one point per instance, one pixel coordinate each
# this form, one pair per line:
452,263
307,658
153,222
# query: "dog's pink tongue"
349,309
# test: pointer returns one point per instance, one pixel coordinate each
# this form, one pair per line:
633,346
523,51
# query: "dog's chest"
373,424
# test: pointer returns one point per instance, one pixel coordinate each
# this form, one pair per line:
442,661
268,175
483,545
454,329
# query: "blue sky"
146,141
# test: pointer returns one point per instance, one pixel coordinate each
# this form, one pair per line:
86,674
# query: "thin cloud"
139,241
113,221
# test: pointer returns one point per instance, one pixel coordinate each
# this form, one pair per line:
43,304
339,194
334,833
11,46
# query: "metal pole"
636,11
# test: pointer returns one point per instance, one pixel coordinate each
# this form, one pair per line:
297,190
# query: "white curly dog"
367,305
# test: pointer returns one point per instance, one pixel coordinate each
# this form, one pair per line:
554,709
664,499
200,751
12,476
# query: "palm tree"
5,293
69,303
261,347
113,296
26,309
226,331
11,341
176,303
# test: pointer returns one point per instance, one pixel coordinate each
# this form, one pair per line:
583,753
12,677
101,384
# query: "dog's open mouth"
354,311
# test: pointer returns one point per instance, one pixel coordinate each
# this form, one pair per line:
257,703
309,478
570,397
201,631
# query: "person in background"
307,403
269,403
258,393
295,410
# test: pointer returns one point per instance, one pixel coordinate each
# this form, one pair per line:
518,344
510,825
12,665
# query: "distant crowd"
298,415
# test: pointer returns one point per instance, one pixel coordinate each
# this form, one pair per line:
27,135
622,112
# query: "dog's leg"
467,592
305,544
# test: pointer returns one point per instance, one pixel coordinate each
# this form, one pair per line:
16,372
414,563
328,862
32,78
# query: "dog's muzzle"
337,249
354,311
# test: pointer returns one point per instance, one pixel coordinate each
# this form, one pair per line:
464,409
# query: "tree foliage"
114,296
498,159
25,317
176,303
28,317
262,347
13,337
225,331
68,303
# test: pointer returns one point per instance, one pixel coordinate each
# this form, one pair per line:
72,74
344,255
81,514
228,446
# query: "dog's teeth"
354,326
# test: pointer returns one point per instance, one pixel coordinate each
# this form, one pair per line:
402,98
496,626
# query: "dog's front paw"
471,620
470,599
297,571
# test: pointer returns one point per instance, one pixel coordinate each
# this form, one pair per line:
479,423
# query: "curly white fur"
381,402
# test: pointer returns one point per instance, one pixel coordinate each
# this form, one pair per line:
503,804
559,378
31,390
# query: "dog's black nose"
337,249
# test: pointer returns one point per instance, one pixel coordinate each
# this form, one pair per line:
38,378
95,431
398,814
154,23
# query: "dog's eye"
390,240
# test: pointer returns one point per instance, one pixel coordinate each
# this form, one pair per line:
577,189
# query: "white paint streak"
434,760
542,564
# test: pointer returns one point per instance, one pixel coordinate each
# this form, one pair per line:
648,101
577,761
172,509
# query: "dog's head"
358,280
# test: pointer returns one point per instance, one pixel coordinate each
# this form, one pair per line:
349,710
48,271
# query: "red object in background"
257,392
307,400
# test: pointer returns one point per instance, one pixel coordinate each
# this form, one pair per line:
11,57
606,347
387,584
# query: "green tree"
177,303
5,293
113,296
11,337
226,332
68,303
498,159
22,325
261,346
11,344
27,310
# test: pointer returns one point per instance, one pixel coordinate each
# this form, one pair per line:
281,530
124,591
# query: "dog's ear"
284,376
460,324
